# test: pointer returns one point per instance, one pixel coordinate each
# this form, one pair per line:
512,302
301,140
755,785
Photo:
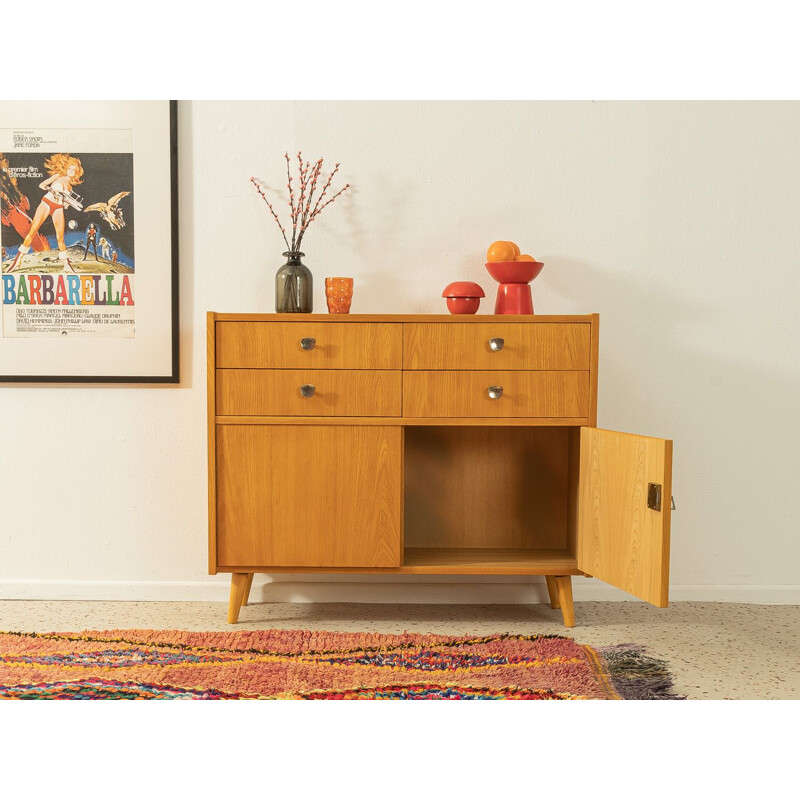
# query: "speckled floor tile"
715,650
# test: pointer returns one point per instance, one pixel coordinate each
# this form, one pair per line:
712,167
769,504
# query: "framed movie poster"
88,204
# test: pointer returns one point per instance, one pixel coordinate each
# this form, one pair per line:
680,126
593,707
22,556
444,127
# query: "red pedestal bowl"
514,294
514,271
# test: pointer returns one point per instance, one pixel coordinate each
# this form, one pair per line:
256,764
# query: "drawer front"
531,345
277,392
337,345
524,394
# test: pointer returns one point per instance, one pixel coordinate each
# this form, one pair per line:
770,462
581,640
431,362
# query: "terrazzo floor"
722,651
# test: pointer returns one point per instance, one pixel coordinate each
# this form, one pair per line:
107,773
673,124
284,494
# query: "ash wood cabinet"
426,445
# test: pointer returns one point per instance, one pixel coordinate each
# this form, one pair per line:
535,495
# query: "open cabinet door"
621,538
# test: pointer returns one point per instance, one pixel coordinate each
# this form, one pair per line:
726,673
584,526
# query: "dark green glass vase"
294,286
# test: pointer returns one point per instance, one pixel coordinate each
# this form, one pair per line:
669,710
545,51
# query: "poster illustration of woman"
65,172
35,246
14,206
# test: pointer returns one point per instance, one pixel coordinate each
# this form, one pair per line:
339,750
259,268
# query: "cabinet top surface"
468,318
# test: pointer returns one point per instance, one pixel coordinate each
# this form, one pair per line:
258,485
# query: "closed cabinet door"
624,497
309,496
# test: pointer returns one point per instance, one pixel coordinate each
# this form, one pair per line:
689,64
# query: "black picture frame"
171,375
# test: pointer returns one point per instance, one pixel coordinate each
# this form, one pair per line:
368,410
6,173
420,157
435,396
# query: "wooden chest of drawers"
426,445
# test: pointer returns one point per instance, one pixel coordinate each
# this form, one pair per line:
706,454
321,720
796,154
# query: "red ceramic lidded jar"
463,297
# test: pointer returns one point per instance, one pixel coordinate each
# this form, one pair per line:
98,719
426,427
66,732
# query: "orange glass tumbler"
339,294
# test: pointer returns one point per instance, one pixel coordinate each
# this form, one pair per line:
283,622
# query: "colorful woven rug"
318,665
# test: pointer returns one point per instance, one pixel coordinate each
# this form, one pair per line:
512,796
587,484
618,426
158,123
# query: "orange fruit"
501,251
525,257
516,250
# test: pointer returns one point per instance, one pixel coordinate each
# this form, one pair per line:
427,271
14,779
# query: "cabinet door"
621,540
308,496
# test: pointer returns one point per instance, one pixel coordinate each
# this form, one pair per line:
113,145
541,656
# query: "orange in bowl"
502,251
524,257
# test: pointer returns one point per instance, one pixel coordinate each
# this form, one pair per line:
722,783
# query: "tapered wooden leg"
564,587
246,596
552,590
238,586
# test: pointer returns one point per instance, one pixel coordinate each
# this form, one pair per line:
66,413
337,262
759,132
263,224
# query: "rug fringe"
636,675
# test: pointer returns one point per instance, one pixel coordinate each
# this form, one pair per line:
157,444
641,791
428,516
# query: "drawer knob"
308,389
496,344
495,392
308,344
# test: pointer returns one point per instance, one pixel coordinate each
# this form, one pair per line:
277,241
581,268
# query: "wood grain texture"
552,591
276,345
409,422
485,487
564,589
573,481
487,561
453,483
402,495
239,581
620,540
340,392
525,394
445,319
308,496
527,346
248,586
211,411
449,561
593,369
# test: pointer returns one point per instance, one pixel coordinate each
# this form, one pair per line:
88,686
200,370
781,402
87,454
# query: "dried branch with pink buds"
301,211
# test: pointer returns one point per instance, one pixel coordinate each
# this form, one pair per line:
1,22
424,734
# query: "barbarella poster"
67,234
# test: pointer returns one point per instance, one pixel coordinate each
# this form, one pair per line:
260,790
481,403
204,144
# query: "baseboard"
454,590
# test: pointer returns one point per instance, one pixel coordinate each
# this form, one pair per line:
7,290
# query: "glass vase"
294,286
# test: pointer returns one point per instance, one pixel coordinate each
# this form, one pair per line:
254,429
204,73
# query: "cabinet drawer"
525,345
525,394
342,392
337,345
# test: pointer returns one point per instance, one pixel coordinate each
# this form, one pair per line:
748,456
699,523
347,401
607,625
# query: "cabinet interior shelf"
477,560
452,561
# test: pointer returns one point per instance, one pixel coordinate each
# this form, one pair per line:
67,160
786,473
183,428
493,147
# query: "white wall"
677,222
